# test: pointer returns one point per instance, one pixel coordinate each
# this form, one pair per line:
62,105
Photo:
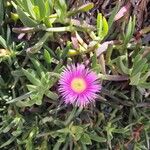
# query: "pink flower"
78,85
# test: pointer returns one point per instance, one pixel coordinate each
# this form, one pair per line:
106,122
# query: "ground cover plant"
74,75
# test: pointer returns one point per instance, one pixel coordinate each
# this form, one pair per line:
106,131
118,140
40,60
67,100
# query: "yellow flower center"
78,85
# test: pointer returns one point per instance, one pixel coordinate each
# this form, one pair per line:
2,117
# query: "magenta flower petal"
78,85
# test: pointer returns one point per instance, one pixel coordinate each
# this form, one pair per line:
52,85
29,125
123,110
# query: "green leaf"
138,66
38,98
47,9
35,98
133,25
145,85
8,142
20,98
83,8
31,77
51,52
65,50
113,14
86,139
123,68
145,77
64,131
2,82
37,12
61,9
38,66
63,5
3,42
134,80
28,7
8,127
26,20
32,88
27,103
130,30
2,11
51,95
99,24
97,138
47,56
39,44
102,26
105,27
51,5
94,61
29,142
77,132
8,38
42,9
17,73
86,7
84,147
136,60
109,53
57,145
19,3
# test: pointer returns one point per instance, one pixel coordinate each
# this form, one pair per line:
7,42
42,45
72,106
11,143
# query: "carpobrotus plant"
79,85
